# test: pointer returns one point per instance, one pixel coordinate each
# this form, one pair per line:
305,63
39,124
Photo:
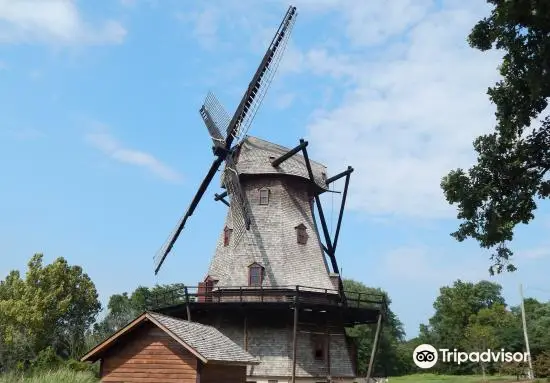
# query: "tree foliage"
123,308
500,190
474,317
52,306
389,359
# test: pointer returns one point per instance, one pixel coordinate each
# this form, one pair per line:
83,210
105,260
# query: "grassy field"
69,376
61,376
431,378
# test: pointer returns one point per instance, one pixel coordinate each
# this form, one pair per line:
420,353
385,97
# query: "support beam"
245,332
342,205
295,336
325,227
276,162
320,210
327,347
374,346
340,175
220,197
188,309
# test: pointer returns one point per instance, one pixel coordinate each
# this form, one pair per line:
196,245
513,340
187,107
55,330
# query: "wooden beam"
188,309
320,210
346,172
341,214
374,346
295,336
220,197
329,377
276,162
325,229
245,332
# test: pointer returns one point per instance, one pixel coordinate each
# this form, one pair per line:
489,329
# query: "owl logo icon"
425,356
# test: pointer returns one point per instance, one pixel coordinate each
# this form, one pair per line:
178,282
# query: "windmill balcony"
302,295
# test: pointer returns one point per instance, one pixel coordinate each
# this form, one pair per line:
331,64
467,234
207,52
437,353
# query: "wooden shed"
159,348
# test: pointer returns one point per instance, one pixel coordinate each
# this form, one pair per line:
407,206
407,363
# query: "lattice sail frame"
238,203
277,47
215,118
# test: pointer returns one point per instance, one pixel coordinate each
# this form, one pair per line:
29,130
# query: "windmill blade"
252,99
167,247
215,118
240,212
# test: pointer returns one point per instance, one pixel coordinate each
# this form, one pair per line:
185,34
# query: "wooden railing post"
295,335
187,303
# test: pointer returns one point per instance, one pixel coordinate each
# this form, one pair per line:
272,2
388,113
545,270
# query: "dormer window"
301,234
264,196
227,236
255,274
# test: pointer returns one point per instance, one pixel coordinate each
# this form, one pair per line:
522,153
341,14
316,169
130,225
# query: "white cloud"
534,253
427,267
413,105
52,21
111,147
204,25
284,100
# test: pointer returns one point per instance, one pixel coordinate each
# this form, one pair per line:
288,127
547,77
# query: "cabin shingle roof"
206,340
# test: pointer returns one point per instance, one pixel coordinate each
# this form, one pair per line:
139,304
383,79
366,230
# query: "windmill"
225,132
269,286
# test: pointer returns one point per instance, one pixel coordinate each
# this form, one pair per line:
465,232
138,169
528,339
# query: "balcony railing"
273,294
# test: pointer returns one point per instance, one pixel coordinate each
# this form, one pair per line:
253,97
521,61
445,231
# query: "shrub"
541,365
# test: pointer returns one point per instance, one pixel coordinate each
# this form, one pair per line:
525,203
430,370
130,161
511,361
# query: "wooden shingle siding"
271,241
153,357
220,373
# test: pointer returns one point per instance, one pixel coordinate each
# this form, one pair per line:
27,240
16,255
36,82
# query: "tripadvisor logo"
426,356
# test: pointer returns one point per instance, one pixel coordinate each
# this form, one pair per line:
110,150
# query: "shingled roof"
205,342
255,156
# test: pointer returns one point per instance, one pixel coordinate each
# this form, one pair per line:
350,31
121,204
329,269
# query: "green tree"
499,191
454,307
53,306
123,308
388,357
484,330
537,316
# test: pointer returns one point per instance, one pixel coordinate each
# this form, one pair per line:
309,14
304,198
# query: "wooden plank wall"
149,355
215,373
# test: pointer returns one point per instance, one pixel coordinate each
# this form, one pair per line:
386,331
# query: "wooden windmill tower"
273,284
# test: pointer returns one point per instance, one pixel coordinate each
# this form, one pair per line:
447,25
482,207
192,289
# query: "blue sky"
102,146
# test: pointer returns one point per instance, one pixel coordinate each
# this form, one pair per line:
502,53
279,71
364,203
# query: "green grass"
432,378
59,376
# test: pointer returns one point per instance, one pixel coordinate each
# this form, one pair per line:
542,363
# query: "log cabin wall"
149,355
216,373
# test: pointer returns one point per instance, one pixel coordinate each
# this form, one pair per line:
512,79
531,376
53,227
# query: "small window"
255,274
301,234
227,236
319,348
264,196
